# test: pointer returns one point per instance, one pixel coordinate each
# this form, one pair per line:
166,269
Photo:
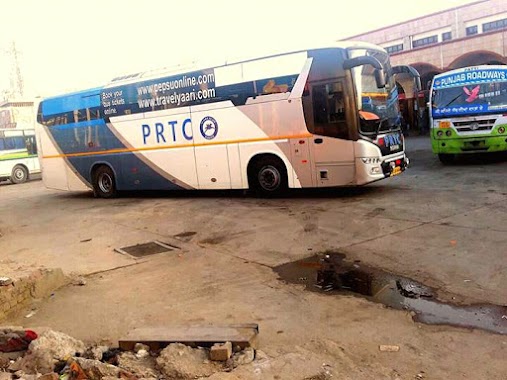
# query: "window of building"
446,36
471,30
394,48
425,41
494,25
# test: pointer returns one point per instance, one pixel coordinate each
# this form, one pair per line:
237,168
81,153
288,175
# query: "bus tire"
104,183
268,176
446,159
19,174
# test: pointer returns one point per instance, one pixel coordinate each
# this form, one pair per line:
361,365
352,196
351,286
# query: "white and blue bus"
315,118
18,155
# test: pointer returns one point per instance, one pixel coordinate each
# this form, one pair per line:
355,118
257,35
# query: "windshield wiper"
452,101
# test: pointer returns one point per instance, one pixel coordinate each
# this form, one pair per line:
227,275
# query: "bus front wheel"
19,174
268,177
446,159
104,184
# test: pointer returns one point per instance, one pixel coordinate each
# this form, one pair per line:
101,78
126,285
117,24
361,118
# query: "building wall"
17,114
461,50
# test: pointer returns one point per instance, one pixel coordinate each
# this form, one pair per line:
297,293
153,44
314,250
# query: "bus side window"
329,110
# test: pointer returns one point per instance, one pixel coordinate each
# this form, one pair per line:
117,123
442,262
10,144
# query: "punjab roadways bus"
469,111
18,155
316,118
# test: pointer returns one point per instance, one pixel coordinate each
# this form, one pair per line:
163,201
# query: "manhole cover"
146,249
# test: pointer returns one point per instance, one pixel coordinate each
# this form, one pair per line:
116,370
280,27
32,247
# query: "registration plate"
396,171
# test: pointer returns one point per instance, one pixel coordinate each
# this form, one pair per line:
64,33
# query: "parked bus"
469,111
18,155
315,118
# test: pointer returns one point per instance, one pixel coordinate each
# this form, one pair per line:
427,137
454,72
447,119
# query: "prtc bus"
469,111
18,155
323,117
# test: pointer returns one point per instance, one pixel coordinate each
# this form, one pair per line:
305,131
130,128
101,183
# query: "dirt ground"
442,226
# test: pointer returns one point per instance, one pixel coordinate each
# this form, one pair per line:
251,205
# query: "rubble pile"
24,354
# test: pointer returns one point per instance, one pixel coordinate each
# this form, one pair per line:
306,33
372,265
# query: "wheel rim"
105,183
19,174
269,178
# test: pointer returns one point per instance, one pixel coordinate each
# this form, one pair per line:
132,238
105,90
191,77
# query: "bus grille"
485,125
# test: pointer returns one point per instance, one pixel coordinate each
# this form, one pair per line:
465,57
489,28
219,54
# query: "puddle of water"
331,273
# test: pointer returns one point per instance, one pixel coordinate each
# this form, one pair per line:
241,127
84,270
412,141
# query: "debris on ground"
5,281
389,348
31,314
78,281
15,340
221,352
45,351
178,361
53,355
243,357
412,289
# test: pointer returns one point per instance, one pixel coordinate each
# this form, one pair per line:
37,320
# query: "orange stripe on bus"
128,150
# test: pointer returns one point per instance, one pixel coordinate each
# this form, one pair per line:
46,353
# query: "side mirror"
411,71
380,78
368,60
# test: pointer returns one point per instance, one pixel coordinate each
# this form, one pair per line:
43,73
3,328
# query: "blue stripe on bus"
130,172
94,136
71,102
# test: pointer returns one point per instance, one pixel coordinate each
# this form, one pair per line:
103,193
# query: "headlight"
370,160
501,130
440,133
448,133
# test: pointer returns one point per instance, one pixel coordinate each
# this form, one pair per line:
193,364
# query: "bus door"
211,156
301,161
332,149
31,147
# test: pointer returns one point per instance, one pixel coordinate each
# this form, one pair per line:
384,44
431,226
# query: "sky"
66,45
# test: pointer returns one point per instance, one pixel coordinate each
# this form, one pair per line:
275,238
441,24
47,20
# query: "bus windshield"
475,98
378,107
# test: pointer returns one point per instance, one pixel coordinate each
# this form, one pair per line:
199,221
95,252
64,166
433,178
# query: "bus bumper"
476,144
371,171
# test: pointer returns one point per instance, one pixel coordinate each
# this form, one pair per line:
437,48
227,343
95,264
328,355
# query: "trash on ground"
5,281
31,314
53,355
388,348
15,340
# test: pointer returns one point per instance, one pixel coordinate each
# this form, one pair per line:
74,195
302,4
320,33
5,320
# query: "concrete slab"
242,335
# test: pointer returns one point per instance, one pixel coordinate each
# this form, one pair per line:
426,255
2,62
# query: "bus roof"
471,68
91,97
175,70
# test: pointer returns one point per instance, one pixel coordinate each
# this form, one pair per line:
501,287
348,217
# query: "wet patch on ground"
331,273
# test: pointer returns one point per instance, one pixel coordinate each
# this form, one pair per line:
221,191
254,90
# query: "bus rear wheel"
446,159
104,184
268,177
19,174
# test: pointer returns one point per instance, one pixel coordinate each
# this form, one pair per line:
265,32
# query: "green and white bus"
322,117
18,155
469,111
